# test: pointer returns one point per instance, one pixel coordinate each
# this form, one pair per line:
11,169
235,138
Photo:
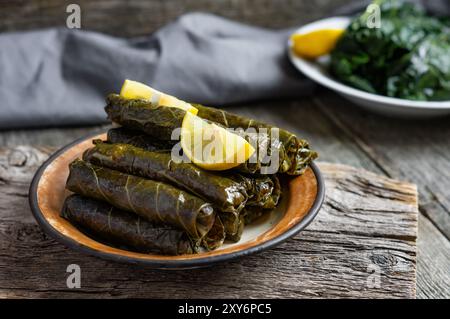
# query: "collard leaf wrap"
155,201
160,121
119,227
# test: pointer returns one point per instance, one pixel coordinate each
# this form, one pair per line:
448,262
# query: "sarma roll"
215,236
295,154
252,213
159,121
228,192
155,201
264,190
119,227
238,233
122,135
143,115
225,193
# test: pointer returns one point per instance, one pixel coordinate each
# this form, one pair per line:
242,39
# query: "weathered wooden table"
335,257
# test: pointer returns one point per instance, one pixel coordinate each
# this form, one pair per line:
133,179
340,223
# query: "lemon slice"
136,90
314,44
212,147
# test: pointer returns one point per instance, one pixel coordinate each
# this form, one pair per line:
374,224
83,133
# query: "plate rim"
342,88
166,264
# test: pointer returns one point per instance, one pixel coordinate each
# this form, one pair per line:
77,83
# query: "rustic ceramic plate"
301,201
318,72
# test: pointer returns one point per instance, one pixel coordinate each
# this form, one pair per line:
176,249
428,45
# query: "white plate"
318,71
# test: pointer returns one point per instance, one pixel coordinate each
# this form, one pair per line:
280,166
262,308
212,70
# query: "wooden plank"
135,17
416,151
433,262
367,224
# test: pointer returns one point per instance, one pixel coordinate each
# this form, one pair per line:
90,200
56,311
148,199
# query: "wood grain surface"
368,226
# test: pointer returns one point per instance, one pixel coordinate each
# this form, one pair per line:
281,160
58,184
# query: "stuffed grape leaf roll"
264,190
154,120
122,135
155,201
225,193
294,154
119,227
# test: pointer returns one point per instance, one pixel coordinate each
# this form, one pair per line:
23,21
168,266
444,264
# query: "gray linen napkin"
60,76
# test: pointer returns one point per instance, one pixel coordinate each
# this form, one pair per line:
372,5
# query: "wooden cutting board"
362,244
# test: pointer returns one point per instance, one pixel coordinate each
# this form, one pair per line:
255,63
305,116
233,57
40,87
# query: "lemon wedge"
314,44
136,90
212,147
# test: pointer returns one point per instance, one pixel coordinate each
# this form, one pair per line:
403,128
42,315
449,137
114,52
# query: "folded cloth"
57,77
61,76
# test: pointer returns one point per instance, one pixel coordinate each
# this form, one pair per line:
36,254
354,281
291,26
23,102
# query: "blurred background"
140,17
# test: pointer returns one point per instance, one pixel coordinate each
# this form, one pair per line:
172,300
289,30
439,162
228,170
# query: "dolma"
160,121
240,229
155,201
252,213
122,135
119,227
215,236
145,116
294,154
227,194
264,190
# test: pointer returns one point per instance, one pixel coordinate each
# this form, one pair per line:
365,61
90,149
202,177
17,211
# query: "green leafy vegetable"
407,57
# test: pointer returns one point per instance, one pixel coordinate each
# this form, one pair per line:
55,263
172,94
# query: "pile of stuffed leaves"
131,192
160,122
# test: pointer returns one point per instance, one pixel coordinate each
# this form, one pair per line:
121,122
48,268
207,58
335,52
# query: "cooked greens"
155,201
124,228
407,57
